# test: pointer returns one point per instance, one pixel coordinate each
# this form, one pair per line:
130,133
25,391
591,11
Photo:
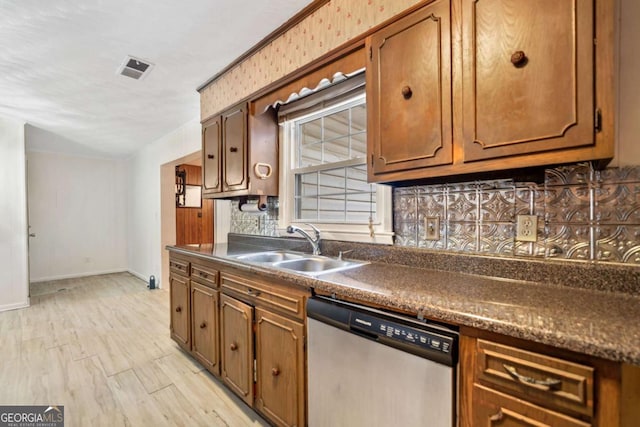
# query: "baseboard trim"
15,306
139,276
78,275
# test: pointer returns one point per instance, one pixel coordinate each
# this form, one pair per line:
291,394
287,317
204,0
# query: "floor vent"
135,68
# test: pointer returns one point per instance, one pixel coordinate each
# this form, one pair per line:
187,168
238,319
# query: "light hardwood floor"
100,346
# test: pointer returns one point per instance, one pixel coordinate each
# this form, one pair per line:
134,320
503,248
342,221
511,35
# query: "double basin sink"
311,265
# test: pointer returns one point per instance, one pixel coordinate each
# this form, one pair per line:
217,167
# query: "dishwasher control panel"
433,341
385,330
401,333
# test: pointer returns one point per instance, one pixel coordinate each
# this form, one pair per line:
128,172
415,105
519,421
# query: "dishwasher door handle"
364,334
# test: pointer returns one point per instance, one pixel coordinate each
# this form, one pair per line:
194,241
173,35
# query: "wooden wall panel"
194,225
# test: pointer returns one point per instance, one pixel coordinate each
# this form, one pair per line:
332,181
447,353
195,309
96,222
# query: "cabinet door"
409,92
237,346
280,369
180,316
491,408
234,141
204,310
528,79
211,156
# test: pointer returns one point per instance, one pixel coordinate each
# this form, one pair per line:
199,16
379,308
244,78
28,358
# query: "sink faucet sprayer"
315,243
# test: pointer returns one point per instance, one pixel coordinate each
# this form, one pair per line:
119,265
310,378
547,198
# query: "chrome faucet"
315,243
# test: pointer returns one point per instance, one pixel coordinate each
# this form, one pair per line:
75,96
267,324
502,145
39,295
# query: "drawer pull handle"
497,417
210,156
253,293
233,346
275,372
546,384
178,309
204,275
233,149
259,173
203,325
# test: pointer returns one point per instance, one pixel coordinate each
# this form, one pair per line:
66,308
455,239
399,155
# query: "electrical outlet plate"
431,228
527,228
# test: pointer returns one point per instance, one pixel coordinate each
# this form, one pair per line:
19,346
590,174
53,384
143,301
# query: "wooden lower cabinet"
205,326
507,382
237,346
491,408
279,368
180,326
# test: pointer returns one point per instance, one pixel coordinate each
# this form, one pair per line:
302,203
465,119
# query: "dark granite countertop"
594,322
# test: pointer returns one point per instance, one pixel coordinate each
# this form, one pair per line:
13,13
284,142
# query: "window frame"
357,232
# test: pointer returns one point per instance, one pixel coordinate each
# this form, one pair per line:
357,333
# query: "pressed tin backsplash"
583,215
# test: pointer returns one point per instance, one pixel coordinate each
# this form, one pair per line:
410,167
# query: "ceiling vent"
135,68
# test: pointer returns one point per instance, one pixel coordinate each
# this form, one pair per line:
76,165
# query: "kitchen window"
324,178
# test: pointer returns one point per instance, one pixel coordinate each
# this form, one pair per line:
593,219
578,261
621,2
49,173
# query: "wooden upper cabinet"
409,92
236,342
528,76
469,86
211,156
240,153
234,141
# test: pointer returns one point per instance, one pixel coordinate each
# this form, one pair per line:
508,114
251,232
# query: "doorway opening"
184,221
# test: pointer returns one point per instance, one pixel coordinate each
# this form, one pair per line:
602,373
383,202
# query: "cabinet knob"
178,309
407,92
210,156
519,59
203,325
233,149
275,372
233,346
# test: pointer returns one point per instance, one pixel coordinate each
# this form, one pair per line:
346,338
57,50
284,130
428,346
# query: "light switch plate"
432,228
527,228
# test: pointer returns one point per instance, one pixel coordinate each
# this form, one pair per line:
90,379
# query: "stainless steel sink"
317,265
311,265
269,257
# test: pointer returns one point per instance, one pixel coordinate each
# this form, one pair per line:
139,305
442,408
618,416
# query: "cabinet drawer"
179,266
284,300
491,408
548,381
204,274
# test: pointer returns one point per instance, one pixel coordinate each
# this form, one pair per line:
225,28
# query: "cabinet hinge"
370,53
597,120
255,371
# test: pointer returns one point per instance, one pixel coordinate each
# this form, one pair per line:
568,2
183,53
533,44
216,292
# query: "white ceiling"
58,62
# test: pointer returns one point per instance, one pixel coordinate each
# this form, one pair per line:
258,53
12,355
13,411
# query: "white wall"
146,246
77,208
14,275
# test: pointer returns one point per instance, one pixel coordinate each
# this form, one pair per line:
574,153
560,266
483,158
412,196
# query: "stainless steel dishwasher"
367,367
